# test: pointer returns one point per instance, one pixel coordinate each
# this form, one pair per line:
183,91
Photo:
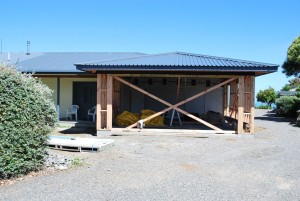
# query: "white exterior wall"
52,84
66,91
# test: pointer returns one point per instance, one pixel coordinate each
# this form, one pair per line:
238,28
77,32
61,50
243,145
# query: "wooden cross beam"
166,103
176,105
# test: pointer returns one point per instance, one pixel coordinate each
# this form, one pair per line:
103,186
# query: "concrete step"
76,124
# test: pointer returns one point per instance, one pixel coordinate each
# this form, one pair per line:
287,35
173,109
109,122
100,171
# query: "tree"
291,66
286,87
294,82
267,96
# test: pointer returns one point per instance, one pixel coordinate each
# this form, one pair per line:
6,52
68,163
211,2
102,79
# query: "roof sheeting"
109,62
176,61
58,62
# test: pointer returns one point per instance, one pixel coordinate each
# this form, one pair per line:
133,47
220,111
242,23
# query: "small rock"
57,161
60,167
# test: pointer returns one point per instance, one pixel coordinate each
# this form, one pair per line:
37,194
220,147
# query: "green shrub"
287,106
27,116
286,87
264,107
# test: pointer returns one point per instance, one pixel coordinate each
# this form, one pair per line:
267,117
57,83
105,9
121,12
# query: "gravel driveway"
264,166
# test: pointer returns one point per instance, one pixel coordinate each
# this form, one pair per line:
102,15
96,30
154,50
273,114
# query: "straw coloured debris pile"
128,118
156,121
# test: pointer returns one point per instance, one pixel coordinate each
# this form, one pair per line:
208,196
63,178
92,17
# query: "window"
164,81
193,82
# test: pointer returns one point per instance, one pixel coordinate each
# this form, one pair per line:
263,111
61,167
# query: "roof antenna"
28,48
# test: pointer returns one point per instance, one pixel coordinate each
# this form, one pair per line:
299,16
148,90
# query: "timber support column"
241,102
225,101
104,104
252,105
109,97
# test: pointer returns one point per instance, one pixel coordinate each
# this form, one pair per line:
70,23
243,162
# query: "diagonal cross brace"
176,105
166,103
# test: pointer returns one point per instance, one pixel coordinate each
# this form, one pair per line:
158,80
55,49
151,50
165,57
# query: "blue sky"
250,29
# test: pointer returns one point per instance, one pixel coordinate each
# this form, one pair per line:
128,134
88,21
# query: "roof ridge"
178,53
225,58
95,52
24,52
126,58
117,59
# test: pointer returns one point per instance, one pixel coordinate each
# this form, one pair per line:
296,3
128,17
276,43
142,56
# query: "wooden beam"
169,132
178,75
241,102
166,103
98,122
252,114
109,102
176,105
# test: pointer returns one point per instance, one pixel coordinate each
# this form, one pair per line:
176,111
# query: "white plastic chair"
92,112
73,110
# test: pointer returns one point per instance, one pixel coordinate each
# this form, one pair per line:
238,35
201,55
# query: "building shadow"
272,116
80,128
74,130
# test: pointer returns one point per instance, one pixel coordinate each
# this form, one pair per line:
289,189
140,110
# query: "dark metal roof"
58,62
63,62
178,61
287,93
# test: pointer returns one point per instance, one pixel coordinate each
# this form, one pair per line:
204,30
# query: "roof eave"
182,69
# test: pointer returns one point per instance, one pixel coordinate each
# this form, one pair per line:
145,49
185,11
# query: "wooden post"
225,101
104,103
233,99
241,106
98,122
109,102
252,105
116,98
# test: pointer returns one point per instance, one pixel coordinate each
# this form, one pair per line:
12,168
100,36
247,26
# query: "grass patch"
78,162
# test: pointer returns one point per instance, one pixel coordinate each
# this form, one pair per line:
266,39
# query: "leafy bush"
287,106
27,116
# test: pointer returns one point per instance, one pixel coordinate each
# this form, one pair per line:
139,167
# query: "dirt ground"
263,166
